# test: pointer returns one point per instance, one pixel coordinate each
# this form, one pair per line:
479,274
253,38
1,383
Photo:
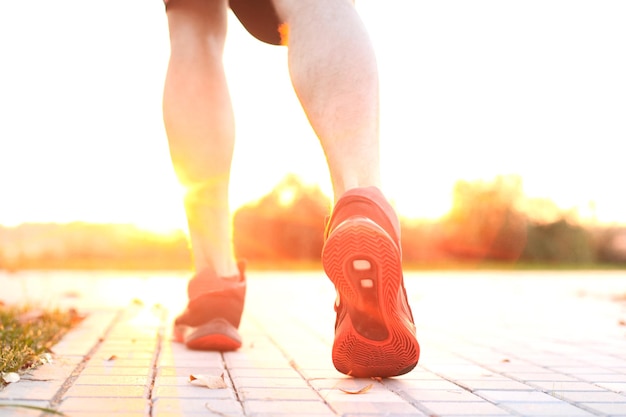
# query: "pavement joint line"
512,377
232,384
407,397
155,359
56,400
294,366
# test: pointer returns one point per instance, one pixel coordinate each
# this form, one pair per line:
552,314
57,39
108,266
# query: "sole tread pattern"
354,353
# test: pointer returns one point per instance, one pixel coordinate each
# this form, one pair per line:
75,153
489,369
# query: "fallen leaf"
621,322
10,377
377,379
361,391
505,360
111,358
209,381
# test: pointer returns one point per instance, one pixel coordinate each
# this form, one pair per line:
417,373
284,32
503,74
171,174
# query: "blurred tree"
485,222
286,224
559,242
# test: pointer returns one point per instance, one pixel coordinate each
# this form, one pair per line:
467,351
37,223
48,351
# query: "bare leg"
200,127
334,73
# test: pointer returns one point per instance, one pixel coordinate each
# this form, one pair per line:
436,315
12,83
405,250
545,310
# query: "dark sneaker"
374,331
213,313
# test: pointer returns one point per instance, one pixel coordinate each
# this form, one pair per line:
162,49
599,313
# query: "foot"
374,331
214,311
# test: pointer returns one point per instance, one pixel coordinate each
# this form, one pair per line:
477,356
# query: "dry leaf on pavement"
10,377
209,381
361,391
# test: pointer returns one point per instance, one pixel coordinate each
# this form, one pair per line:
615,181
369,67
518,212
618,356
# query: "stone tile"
252,382
457,395
615,409
380,408
544,376
112,370
110,391
171,381
30,390
286,407
550,386
112,380
104,405
599,378
326,373
186,371
272,394
347,383
498,397
429,384
591,396
123,354
493,384
193,391
552,409
206,407
16,411
371,395
268,373
613,386
463,408
114,361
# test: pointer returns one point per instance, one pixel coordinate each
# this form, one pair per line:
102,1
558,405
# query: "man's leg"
200,127
334,73
199,122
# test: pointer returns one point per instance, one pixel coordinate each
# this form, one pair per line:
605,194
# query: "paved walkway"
493,344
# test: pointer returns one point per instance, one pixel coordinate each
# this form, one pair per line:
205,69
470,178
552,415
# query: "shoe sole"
216,335
374,339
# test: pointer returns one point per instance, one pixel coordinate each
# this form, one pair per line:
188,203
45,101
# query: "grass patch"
26,334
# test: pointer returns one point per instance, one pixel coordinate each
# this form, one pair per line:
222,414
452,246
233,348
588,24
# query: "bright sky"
469,90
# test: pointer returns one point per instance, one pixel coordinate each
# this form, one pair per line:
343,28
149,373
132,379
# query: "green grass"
26,334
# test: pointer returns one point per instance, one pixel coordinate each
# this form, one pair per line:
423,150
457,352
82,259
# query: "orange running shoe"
213,313
374,331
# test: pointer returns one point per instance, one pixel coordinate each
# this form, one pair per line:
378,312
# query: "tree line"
489,221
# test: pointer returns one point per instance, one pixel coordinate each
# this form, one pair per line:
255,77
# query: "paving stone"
544,409
590,396
463,408
113,370
30,390
97,404
109,391
285,372
550,386
457,395
495,384
373,408
496,359
186,371
252,382
14,410
271,394
135,380
498,397
185,406
193,391
286,407
614,409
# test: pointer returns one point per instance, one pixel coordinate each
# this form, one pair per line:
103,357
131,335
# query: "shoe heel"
365,266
